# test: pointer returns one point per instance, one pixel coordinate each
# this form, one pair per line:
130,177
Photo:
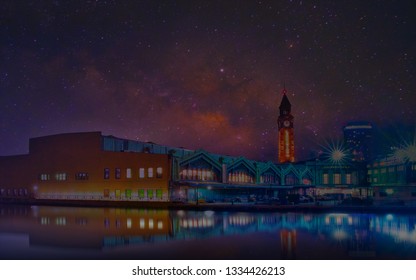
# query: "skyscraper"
358,137
286,141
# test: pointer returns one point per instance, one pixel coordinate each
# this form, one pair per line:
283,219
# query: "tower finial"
284,91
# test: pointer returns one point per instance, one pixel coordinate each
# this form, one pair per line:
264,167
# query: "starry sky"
204,74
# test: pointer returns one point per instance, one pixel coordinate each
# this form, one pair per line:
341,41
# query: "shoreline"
236,207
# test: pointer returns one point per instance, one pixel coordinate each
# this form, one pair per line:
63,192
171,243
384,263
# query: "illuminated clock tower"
286,135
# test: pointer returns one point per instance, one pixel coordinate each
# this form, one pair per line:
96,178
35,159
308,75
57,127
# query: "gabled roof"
201,154
243,161
269,166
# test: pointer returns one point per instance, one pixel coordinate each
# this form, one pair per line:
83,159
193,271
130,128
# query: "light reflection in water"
149,233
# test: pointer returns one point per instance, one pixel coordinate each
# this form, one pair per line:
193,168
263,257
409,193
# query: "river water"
43,232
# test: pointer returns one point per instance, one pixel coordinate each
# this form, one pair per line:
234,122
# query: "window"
128,194
348,179
141,173
150,172
128,173
150,194
337,178
81,176
159,172
44,177
141,193
106,193
106,173
325,178
118,193
159,194
61,176
118,173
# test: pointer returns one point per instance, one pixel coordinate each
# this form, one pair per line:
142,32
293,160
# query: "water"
40,232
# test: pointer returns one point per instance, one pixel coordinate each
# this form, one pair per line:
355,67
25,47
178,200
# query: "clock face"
286,123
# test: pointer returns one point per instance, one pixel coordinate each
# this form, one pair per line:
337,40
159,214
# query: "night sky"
204,74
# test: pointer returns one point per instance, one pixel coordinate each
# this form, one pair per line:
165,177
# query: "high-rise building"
286,141
358,137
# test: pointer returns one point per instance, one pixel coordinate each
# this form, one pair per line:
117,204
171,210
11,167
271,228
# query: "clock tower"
286,136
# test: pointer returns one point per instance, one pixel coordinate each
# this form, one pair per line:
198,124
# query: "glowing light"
340,234
336,153
389,191
407,152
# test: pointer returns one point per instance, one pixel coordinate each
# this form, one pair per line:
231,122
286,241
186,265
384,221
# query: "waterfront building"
393,180
358,138
91,166
76,166
285,123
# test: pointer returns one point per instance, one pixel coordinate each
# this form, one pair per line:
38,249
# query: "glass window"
44,177
337,178
106,193
159,194
118,173
128,173
141,193
150,194
159,172
61,176
106,173
81,176
141,173
142,223
128,194
348,179
150,172
325,179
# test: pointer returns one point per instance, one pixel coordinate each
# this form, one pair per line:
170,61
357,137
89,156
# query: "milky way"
204,74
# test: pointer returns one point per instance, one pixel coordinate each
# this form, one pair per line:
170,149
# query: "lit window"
141,173
159,193
159,172
337,178
141,193
150,172
44,177
325,178
348,179
61,176
128,173
150,194
142,223
128,194
159,224
151,224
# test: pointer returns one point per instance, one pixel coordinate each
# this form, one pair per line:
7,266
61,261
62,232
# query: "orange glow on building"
286,143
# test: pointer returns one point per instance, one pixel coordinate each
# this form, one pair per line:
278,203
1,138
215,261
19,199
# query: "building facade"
90,166
358,137
75,166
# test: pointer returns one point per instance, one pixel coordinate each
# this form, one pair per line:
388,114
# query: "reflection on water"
38,232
